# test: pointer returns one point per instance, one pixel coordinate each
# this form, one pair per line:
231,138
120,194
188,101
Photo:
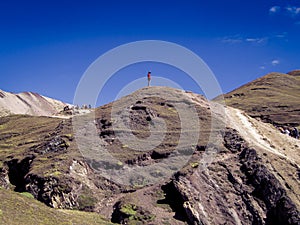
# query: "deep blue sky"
46,46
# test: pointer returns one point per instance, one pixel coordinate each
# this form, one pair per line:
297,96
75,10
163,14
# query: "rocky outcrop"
4,179
53,192
279,207
233,141
2,95
55,144
58,191
17,170
238,190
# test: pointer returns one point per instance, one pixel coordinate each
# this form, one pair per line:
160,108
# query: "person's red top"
149,75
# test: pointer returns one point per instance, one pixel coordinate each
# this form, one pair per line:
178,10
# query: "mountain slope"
248,173
274,98
28,103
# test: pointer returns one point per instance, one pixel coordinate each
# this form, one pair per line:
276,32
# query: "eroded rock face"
17,170
68,191
279,207
4,180
52,192
235,190
56,144
233,141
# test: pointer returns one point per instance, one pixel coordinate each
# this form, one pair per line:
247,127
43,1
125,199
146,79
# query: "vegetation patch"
194,164
27,194
129,213
128,209
86,200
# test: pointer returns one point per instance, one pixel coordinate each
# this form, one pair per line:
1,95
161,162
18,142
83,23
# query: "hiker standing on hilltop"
149,78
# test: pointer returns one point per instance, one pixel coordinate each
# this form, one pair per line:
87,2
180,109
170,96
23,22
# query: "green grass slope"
274,98
19,208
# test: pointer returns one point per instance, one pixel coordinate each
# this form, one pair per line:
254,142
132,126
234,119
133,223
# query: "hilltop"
274,98
28,103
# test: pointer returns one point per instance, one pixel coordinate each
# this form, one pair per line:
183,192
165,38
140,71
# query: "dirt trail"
264,136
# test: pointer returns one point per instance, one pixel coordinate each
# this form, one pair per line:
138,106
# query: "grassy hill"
274,98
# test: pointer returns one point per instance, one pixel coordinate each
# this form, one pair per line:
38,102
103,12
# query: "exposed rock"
4,179
279,207
17,170
53,192
2,95
239,190
233,141
56,144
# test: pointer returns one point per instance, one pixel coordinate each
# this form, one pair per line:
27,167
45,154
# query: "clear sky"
46,46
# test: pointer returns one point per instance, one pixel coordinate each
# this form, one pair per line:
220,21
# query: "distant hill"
28,103
274,98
